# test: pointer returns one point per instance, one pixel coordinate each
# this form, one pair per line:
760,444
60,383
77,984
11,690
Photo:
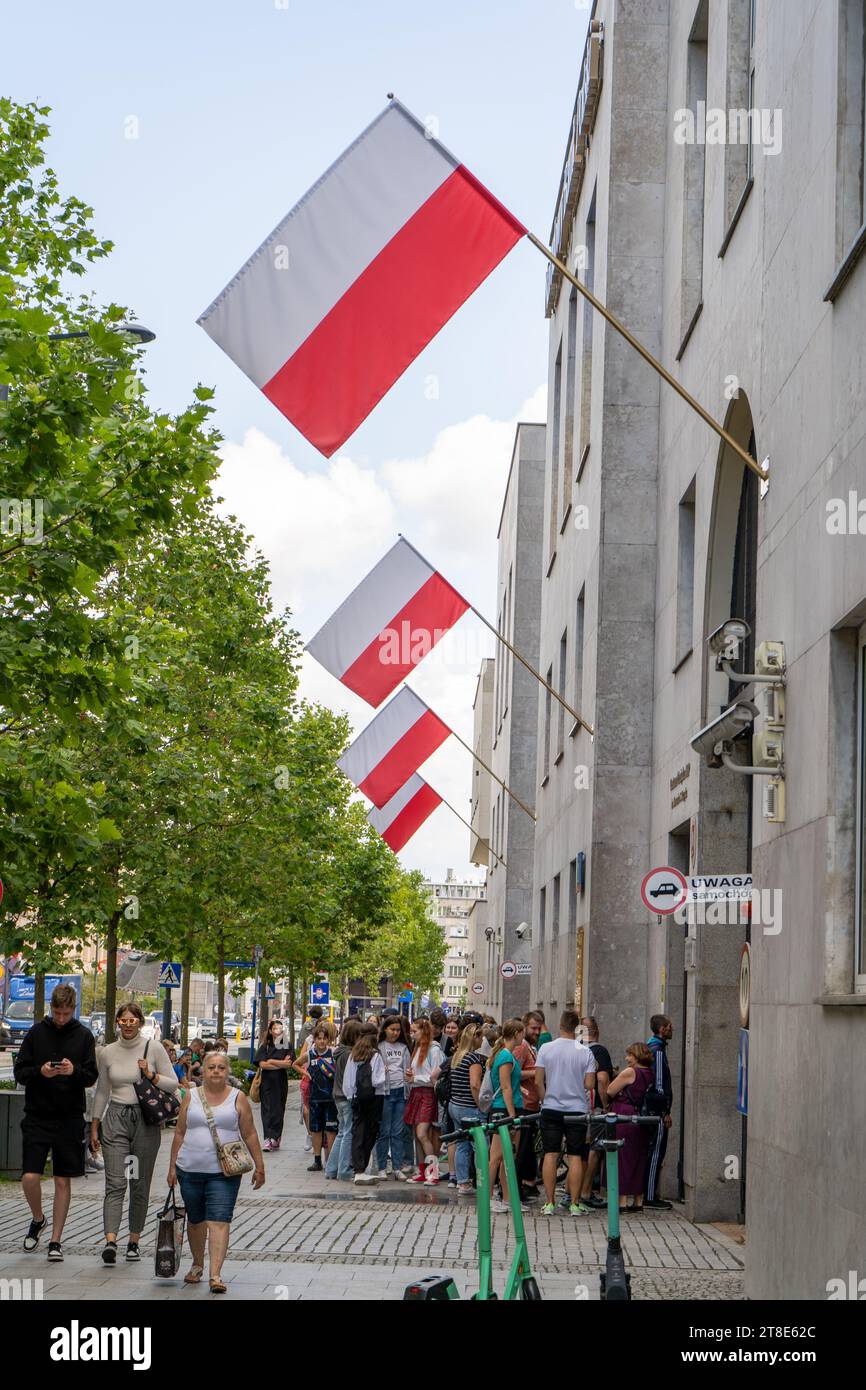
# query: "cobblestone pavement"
303,1237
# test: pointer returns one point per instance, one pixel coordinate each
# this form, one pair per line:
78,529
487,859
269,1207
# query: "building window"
546,759
694,180
685,576
739,150
554,925
570,403
578,654
560,709
860,948
555,444
542,916
851,126
586,342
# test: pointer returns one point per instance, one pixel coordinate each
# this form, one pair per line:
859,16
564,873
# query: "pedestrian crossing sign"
169,975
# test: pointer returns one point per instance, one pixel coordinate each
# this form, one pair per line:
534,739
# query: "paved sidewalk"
304,1237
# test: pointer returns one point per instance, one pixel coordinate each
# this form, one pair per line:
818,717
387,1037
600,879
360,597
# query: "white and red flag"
359,277
387,624
393,746
405,813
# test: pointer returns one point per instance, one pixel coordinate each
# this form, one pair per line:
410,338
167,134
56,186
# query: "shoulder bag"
234,1157
157,1105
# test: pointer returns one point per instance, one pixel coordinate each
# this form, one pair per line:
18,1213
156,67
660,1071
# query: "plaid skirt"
421,1107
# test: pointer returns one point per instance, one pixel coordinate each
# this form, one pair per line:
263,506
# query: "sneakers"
132,1251
465,1189
31,1240
502,1208
109,1253
578,1209
401,1174
54,1250
658,1204
267,1145
383,1174
549,1209
365,1179
417,1177
594,1203
315,1166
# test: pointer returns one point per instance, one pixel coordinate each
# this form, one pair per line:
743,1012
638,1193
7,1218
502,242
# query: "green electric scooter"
615,1282
520,1283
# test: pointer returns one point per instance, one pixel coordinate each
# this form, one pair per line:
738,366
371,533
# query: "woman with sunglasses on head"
274,1058
118,1123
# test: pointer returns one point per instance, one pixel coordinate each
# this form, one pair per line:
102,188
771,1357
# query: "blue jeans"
339,1163
391,1132
458,1114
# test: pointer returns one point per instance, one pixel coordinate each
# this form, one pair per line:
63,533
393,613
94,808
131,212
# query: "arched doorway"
711,1123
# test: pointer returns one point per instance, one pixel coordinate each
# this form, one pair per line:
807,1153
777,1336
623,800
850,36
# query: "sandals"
217,1286
194,1275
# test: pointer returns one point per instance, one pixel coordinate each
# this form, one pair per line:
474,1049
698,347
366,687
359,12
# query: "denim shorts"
208,1196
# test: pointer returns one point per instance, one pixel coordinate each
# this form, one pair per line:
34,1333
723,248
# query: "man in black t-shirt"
603,1074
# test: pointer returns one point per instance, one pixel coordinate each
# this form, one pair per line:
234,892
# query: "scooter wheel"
530,1291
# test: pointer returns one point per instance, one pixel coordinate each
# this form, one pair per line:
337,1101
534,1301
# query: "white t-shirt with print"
566,1063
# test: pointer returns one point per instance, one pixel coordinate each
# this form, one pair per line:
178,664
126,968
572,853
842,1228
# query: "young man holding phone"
55,1065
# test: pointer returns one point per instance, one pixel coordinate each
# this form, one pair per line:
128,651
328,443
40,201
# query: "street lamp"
135,330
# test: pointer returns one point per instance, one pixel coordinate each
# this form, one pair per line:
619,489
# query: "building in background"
513,732
450,903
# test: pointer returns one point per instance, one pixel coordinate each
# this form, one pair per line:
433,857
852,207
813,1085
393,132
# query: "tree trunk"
263,1018
184,1003
221,987
38,995
111,975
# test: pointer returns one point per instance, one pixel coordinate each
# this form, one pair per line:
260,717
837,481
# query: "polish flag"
405,813
393,746
359,276
387,624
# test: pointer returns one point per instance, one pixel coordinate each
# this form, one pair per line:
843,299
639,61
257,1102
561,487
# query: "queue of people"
378,1096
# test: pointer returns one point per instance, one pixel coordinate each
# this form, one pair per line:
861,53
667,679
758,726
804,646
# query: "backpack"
443,1085
364,1088
487,1094
653,1101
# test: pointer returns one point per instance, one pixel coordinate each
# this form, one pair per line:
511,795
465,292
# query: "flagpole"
469,827
648,357
513,795
514,652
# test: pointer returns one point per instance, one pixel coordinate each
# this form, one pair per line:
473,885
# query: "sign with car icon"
664,890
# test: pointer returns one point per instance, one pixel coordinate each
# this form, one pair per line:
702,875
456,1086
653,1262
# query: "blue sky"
237,106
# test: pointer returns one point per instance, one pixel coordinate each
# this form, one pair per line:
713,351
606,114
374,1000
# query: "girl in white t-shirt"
422,1108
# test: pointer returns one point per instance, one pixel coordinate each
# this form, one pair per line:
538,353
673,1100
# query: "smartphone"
54,1065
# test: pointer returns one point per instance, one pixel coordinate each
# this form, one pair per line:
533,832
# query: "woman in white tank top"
208,1195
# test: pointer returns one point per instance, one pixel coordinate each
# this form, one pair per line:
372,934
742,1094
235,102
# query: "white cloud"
322,532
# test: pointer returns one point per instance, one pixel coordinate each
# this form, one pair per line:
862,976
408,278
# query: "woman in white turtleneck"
118,1121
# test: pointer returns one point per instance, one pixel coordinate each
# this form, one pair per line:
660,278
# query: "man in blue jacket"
662,1032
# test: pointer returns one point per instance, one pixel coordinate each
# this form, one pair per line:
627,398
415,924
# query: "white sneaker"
364,1179
502,1208
383,1174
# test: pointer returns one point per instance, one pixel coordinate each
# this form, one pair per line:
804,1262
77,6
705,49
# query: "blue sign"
406,997
238,964
169,974
320,993
743,1073
270,991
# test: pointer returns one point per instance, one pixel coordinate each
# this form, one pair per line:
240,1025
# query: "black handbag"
169,1237
157,1106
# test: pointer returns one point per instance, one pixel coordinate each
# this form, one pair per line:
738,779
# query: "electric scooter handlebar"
489,1125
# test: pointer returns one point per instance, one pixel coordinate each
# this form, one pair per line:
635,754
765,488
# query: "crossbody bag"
234,1157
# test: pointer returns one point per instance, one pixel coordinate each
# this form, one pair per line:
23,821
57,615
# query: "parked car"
207,1028
5,1034
19,1020
152,1027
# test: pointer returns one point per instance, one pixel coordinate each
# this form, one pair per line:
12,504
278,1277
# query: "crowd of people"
376,1100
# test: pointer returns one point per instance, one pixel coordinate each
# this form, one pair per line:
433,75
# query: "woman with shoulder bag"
118,1120
625,1095
214,1144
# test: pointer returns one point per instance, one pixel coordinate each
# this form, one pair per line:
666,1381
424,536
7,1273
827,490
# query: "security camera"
732,722
724,643
521,931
